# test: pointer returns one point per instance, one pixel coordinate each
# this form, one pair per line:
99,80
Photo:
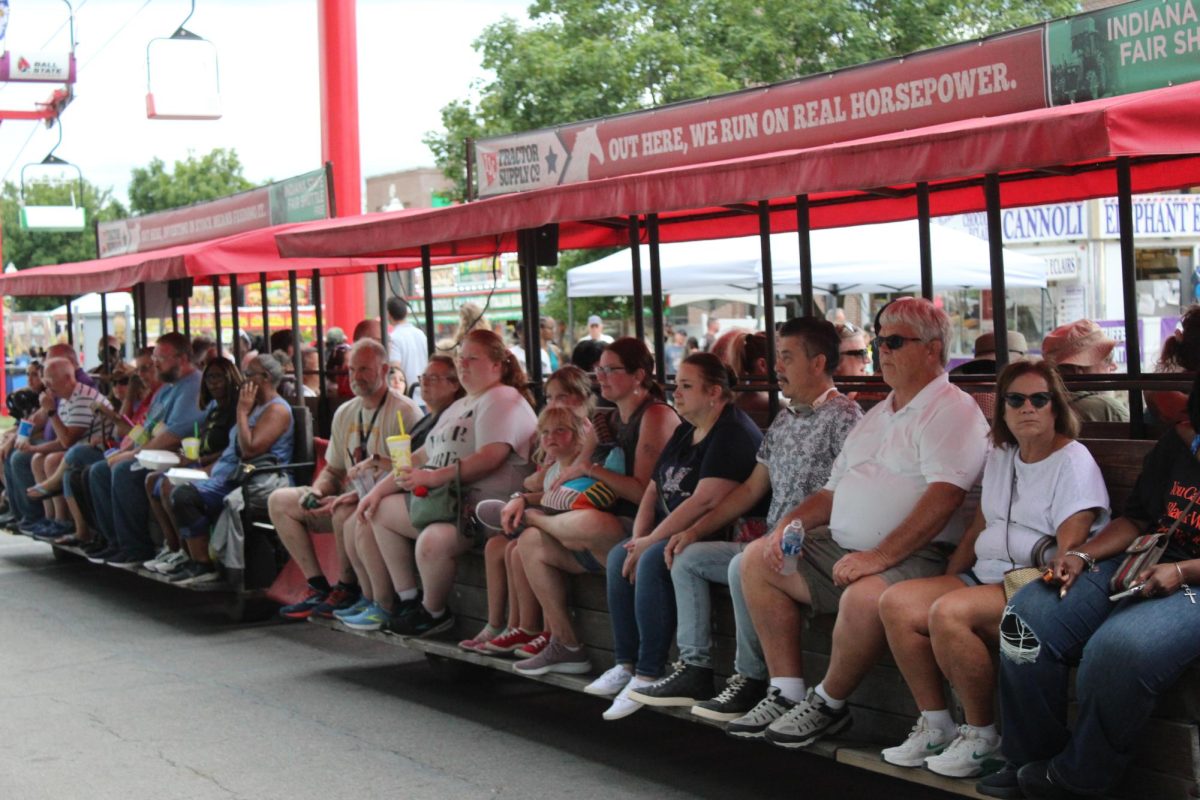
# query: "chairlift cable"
115,34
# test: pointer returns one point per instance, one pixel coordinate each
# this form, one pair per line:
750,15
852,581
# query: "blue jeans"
1128,654
642,613
78,457
694,569
121,507
18,477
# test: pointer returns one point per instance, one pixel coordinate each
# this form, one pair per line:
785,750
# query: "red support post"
336,26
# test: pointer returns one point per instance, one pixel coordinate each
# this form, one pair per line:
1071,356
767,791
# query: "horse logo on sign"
586,146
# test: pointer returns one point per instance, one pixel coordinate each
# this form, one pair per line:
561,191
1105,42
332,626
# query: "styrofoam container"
157,459
182,476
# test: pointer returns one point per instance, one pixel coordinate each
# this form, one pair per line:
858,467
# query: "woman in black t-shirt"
1128,651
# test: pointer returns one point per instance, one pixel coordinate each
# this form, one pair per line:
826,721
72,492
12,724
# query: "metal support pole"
803,231
137,321
1133,342
235,323
381,290
70,323
639,301
316,298
991,192
656,299
427,284
297,358
216,287
532,315
266,322
768,288
187,317
926,245
174,313
103,333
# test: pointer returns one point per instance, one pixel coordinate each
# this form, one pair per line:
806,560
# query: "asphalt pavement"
116,687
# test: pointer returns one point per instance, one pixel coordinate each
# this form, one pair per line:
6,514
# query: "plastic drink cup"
191,448
400,449
790,545
138,435
24,431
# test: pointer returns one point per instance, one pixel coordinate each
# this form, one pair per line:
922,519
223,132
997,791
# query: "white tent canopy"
861,259
117,303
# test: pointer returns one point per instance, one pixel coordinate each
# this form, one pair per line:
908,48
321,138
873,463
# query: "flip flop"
39,492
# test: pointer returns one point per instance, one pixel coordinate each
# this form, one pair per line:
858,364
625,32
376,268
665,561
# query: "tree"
194,180
26,249
579,59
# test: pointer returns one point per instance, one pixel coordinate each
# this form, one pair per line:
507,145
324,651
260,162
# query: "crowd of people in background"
665,495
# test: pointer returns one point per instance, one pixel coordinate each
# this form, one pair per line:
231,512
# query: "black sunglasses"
1017,400
895,341
121,381
854,353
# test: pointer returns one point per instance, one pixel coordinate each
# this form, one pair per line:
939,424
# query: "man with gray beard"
357,459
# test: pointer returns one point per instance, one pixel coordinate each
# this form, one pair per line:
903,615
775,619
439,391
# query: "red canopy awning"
1043,156
249,253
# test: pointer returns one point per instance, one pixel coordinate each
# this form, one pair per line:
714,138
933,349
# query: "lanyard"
364,434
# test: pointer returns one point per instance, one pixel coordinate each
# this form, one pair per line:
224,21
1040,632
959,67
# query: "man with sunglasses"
891,504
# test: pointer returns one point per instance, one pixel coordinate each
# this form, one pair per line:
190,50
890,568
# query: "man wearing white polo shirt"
891,504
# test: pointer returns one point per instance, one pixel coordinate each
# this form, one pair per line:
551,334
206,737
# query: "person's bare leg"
283,506
394,536
858,637
82,534
437,551
529,611
497,579
904,609
547,564
964,627
160,506
354,536
367,550
774,602
197,548
343,516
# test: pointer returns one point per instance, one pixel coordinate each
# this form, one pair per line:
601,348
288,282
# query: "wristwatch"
516,495
1087,560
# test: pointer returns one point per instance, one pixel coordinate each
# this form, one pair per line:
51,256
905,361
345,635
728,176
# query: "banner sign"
27,66
998,76
1046,223
1153,215
298,199
1130,47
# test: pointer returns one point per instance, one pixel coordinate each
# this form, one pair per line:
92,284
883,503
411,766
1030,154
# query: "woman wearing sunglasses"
1042,493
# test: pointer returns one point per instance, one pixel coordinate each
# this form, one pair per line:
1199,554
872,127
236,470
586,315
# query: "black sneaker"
421,624
739,696
1003,784
193,572
687,685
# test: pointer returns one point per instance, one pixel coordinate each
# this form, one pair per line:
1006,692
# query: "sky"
414,56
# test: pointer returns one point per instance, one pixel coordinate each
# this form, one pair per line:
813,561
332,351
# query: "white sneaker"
968,756
172,562
923,741
623,705
611,682
153,563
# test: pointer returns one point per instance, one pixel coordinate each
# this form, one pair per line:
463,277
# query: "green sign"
1128,48
300,199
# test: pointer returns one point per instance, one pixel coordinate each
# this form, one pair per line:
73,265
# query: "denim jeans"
642,613
18,476
1128,653
694,569
99,477
121,507
78,457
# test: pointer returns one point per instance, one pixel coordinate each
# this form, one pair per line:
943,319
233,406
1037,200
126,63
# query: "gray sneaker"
557,657
807,721
753,724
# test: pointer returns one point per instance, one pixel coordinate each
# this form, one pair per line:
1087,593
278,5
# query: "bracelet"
1087,560
1180,571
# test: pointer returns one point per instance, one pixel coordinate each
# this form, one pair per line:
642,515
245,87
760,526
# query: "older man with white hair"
891,504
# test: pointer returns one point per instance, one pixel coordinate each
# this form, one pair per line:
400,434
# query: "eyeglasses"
1017,400
427,378
253,375
606,371
121,382
854,354
895,341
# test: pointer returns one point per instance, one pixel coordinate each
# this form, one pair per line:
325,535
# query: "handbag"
1018,578
258,478
438,504
1144,552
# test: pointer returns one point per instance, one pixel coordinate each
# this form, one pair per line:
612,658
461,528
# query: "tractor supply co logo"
539,159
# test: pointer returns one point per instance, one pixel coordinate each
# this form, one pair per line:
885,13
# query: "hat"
986,344
1081,342
594,320
335,336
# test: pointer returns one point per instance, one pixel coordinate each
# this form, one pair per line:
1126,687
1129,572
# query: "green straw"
196,429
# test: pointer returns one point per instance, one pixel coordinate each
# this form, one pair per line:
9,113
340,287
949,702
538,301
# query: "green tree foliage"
578,59
26,249
194,180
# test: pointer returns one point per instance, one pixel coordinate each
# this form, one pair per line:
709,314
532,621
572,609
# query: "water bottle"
790,544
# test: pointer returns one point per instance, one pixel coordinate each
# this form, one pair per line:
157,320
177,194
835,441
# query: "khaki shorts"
821,553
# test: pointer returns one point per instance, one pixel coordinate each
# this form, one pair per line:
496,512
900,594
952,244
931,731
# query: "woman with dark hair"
707,457
439,389
630,437
483,440
1128,652
1043,494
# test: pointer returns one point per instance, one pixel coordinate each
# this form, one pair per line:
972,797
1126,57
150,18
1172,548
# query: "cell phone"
1132,590
310,501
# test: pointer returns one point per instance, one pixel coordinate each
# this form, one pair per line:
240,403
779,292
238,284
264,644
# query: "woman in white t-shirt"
1042,492
489,436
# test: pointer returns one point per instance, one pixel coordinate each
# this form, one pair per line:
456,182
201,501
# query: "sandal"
39,492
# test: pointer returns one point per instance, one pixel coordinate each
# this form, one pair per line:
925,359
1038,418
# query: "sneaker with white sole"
687,685
153,563
372,618
611,682
623,705
737,698
968,756
476,643
753,724
557,657
511,641
537,645
359,606
924,740
807,721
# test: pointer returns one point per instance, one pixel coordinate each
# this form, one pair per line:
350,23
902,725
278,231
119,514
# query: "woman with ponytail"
485,440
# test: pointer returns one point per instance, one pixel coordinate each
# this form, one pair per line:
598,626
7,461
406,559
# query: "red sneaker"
476,643
534,647
509,640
